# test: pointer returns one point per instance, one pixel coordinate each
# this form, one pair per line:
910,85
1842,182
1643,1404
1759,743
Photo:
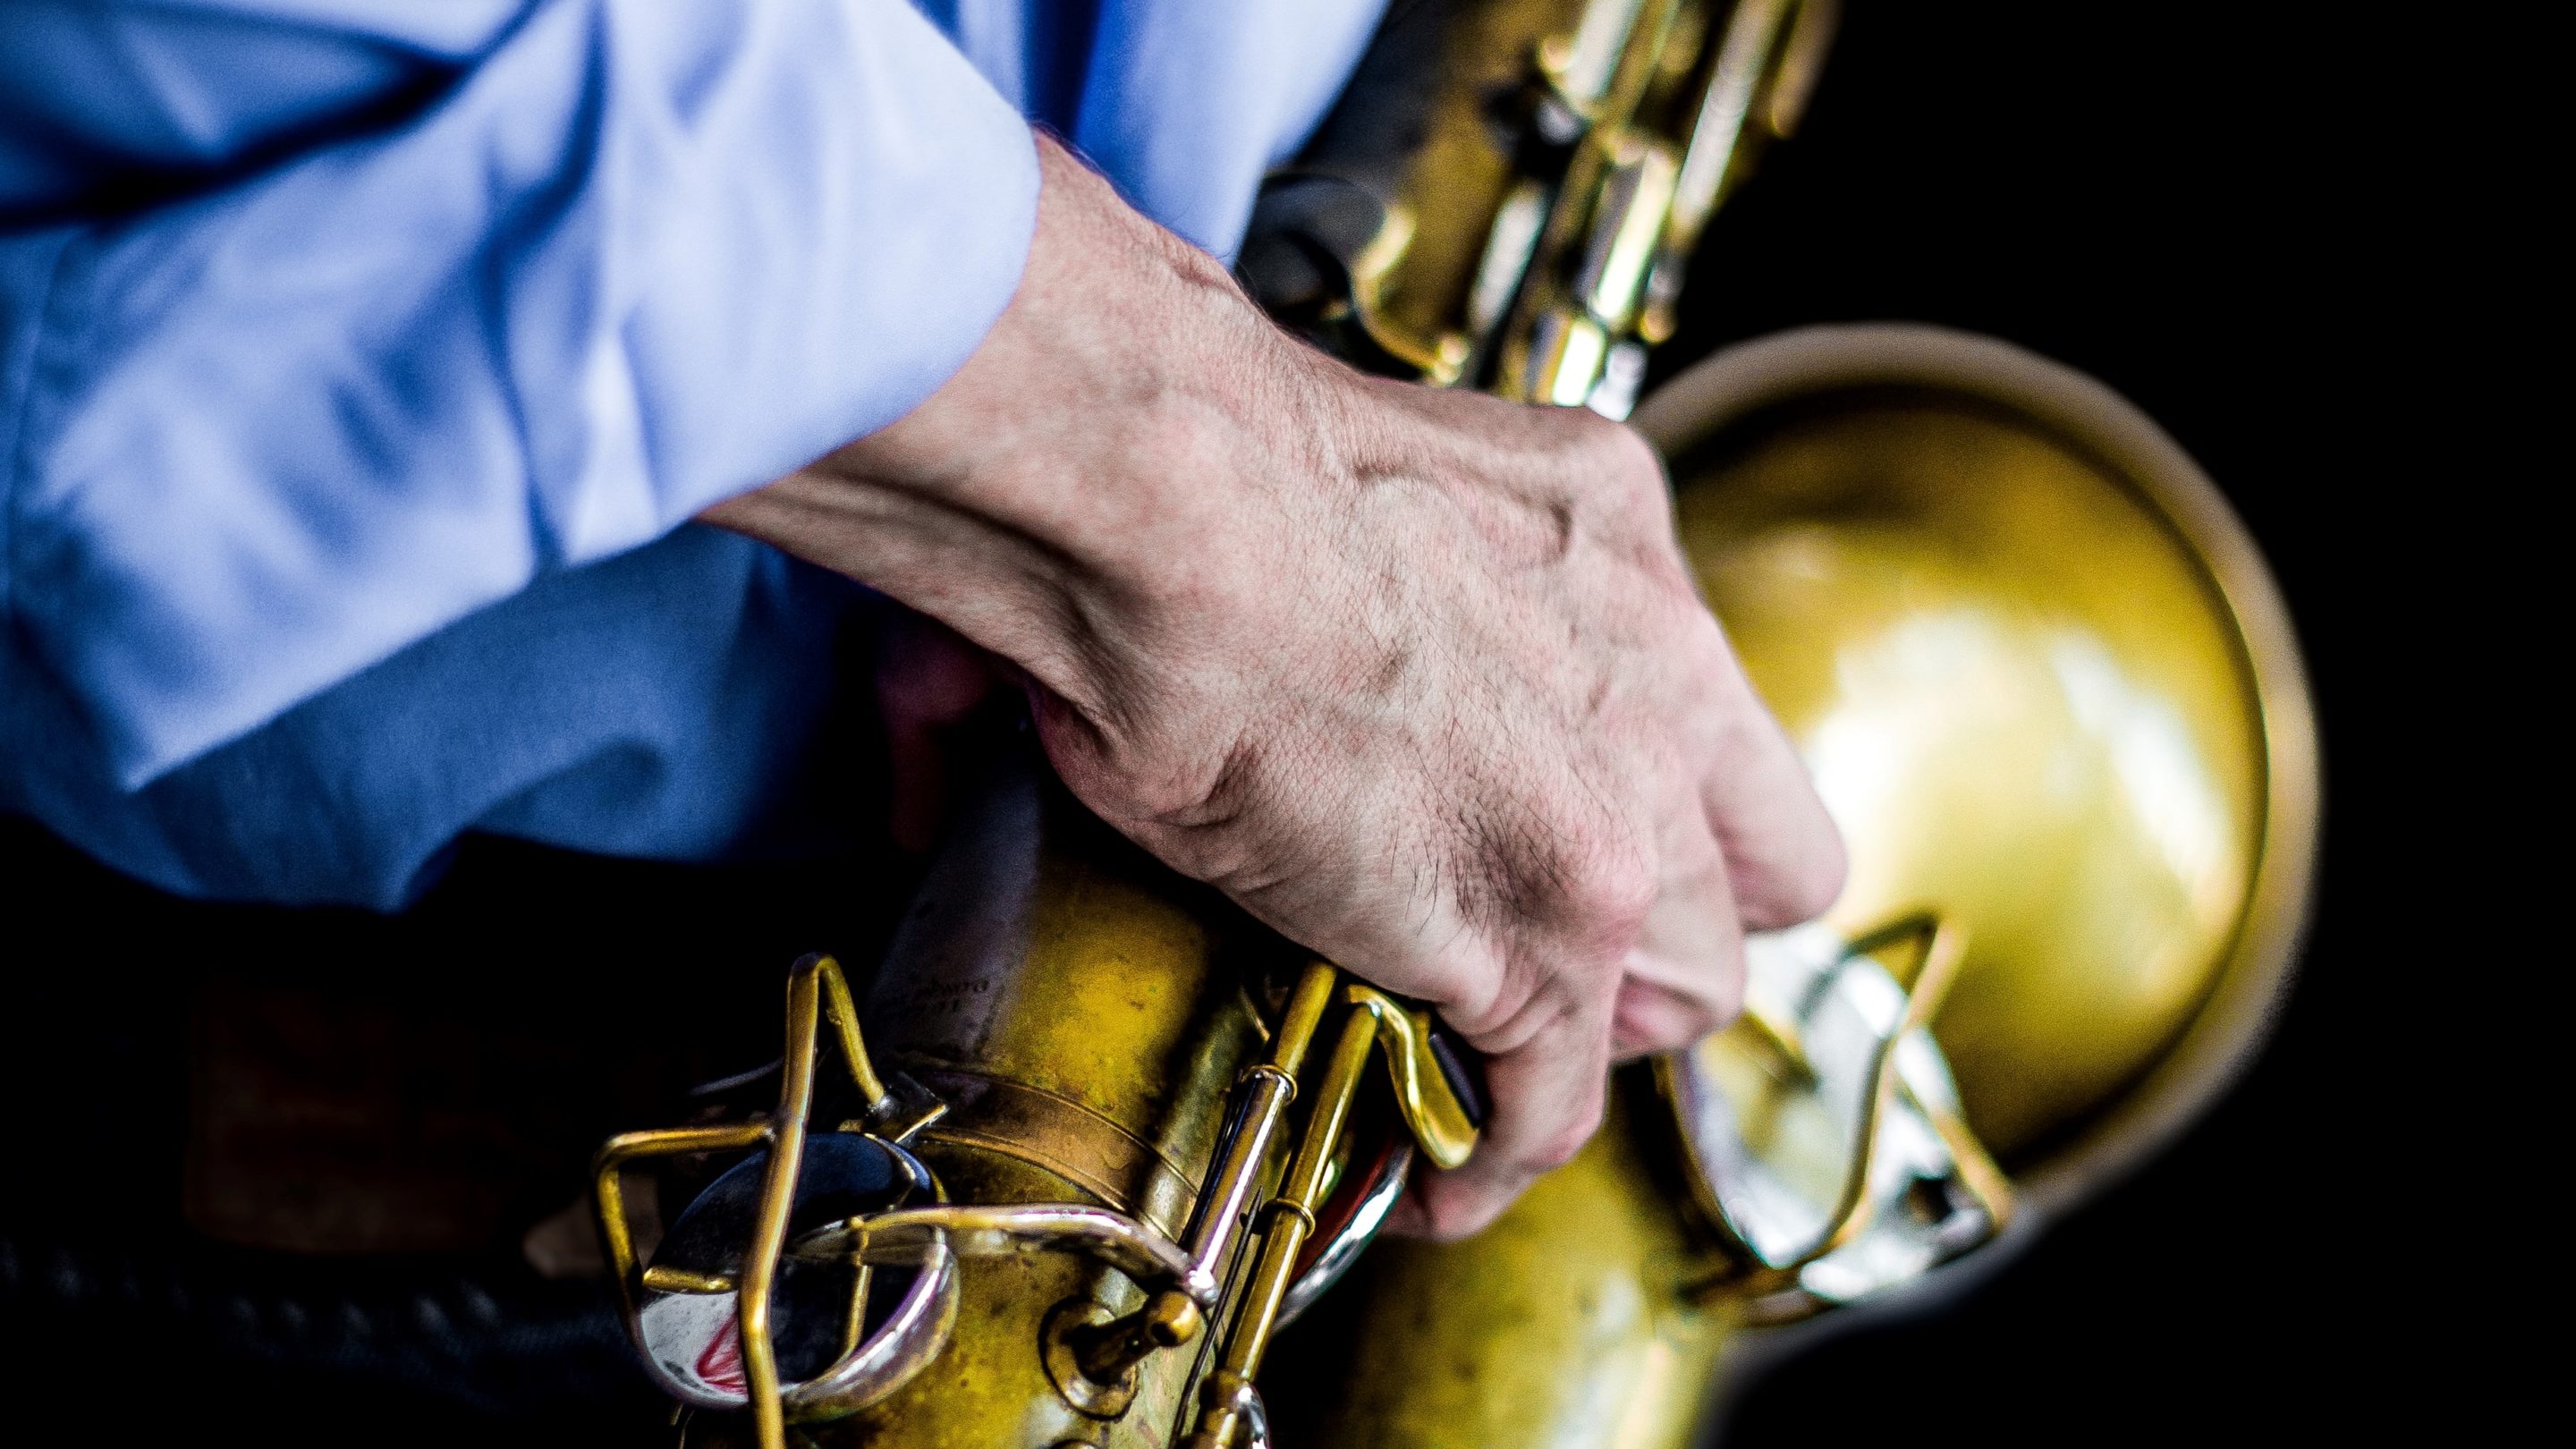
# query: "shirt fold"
636,258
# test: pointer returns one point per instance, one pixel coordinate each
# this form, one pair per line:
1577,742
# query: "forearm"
1054,467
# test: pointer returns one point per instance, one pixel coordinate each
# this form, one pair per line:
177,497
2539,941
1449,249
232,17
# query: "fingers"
1679,975
1681,980
1685,976
1755,851
1548,1096
1784,860
1648,1018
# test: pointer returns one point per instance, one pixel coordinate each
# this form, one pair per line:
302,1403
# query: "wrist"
1094,446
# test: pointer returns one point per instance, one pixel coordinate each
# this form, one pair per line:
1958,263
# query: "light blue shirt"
361,362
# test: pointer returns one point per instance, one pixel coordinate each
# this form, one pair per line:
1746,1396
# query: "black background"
2219,214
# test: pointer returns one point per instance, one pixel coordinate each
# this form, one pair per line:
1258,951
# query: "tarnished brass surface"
1065,1138
989,1387
1567,1325
1430,141
1083,1020
1080,1020
1049,956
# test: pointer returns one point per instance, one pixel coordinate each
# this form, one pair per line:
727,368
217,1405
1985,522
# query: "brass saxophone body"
1116,1136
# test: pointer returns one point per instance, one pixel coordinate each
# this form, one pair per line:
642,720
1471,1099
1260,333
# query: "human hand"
1418,677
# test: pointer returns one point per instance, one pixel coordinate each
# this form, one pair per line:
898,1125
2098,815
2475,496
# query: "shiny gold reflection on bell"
2045,688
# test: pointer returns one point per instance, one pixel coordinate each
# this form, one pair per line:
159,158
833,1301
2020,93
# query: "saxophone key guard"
850,1316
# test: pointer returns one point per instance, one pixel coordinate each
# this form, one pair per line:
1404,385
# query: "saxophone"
1103,1138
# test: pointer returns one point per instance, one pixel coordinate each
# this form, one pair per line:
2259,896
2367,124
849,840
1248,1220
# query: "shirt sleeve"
637,257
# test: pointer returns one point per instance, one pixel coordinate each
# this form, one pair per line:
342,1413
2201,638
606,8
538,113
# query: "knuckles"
1451,1216
1652,1018
1821,883
1802,889
1609,903
1616,463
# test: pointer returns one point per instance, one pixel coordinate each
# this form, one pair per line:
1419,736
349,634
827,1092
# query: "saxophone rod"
1228,1393
777,1196
1172,1316
1268,1088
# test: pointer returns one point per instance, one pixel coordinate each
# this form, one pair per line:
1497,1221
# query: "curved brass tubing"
1146,1257
1941,947
815,990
